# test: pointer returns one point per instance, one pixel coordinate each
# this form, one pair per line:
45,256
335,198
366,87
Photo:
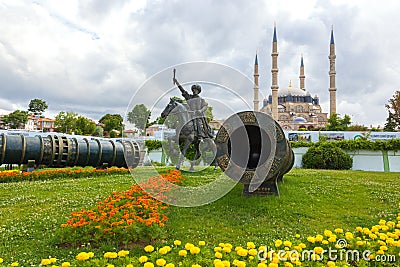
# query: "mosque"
294,108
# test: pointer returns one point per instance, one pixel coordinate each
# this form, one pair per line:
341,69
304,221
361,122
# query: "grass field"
311,200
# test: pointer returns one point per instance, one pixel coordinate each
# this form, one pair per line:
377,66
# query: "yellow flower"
110,265
65,264
218,255
226,263
250,245
217,249
53,260
297,236
242,252
177,242
149,248
182,253
196,265
261,265
163,250
148,264
318,238
278,243
240,264
359,229
218,264
253,252
288,264
110,255
228,245
325,242
45,262
349,235
1,260
327,233
302,245
161,262
318,250
90,254
170,265
195,250
82,256
315,257
360,243
383,248
311,239
202,243
332,239
331,264
339,230
143,259
287,243
123,253
188,246
227,249
273,264
14,264
129,265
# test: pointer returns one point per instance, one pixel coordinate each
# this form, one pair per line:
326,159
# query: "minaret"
332,76
302,76
255,101
274,71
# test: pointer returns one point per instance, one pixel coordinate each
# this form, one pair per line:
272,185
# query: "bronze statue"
197,109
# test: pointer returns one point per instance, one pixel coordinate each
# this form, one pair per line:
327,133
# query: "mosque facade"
295,108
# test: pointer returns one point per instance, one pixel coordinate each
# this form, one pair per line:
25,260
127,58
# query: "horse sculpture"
185,133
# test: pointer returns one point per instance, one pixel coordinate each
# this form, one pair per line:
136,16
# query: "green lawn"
310,201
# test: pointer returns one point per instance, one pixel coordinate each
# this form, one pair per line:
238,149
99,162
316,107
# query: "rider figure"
198,107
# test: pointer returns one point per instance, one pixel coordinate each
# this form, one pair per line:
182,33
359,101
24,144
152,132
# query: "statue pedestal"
267,188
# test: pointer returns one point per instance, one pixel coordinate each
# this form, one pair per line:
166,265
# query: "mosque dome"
290,90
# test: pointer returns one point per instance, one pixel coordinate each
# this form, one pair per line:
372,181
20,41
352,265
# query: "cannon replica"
252,149
62,151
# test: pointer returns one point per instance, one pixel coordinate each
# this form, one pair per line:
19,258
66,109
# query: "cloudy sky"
97,57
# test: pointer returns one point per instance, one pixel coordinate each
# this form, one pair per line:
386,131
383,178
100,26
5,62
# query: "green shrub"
326,155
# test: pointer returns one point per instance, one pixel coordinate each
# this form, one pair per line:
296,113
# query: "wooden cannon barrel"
252,149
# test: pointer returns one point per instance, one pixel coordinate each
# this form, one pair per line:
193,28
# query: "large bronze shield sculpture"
252,149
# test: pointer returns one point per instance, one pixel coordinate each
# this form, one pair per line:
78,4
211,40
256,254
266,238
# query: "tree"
139,116
84,126
98,131
65,122
393,120
209,114
16,119
390,125
112,122
37,106
335,123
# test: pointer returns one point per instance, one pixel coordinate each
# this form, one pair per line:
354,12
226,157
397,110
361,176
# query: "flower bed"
129,215
16,175
375,246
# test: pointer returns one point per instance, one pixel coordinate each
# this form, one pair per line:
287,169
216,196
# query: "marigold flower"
188,246
196,265
170,265
182,253
327,233
278,243
218,264
161,262
331,264
287,243
253,252
14,264
242,252
227,249
318,250
110,265
149,248
202,243
240,264
319,238
65,264
45,262
195,250
110,255
288,264
148,264
177,242
311,239
163,250
297,236
339,230
1,260
250,245
143,259
82,256
272,264
217,249
218,255
261,265
226,263
90,254
123,253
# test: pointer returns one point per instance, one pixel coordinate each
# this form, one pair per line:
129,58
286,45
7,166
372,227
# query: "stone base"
267,188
